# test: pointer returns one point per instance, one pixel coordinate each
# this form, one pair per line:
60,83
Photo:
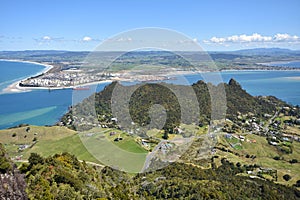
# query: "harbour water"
12,71
45,107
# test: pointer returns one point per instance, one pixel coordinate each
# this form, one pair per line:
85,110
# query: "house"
112,133
178,130
160,178
18,157
114,119
286,139
267,115
255,126
23,146
145,144
273,143
242,138
89,134
286,108
235,136
213,151
253,177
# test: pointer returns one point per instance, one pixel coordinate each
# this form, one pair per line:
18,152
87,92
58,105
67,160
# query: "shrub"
276,158
35,158
293,161
287,177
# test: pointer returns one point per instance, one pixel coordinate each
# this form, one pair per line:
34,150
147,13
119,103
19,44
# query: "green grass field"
50,140
98,148
71,144
265,154
126,154
21,136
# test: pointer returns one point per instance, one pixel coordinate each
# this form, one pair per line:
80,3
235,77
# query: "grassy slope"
50,140
125,153
264,157
55,139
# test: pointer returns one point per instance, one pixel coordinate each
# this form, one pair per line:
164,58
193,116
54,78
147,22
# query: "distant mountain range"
265,51
241,59
241,51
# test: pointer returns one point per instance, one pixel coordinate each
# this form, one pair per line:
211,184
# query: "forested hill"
63,176
144,96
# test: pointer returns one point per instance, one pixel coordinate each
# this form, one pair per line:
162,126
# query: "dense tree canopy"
147,95
62,176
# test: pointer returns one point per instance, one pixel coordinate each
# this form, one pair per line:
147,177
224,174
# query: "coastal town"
64,79
75,77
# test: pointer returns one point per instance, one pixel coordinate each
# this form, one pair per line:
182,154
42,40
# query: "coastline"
47,66
14,87
261,70
272,63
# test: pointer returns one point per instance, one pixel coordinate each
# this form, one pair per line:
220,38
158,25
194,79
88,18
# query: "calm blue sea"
15,71
43,107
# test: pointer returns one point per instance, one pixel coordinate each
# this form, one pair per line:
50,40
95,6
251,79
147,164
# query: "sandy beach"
277,62
14,87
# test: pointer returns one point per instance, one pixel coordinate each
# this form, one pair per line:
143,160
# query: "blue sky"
82,25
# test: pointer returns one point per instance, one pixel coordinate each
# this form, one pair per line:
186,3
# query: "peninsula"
66,69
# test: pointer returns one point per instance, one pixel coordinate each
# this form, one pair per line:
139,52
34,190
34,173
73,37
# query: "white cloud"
46,38
87,39
187,41
52,40
122,39
254,38
285,37
217,40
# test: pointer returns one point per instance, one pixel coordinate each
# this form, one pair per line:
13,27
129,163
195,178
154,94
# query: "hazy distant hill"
266,51
241,59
